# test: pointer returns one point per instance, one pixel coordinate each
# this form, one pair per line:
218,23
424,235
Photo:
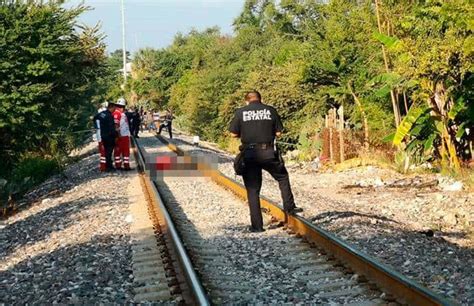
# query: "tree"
49,68
435,53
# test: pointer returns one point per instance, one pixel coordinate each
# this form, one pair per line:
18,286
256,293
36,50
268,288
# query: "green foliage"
389,41
52,76
406,125
48,71
309,144
308,56
34,170
27,173
432,53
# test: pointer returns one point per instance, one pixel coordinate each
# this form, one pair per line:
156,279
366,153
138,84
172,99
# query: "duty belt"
261,145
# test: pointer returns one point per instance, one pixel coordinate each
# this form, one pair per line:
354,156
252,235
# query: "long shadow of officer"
257,125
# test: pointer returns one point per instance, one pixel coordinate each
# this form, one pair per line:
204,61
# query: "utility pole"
124,51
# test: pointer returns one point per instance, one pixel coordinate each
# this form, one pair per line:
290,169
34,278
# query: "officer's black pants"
252,176
136,129
109,145
168,127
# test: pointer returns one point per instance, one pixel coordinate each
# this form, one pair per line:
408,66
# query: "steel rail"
391,281
199,294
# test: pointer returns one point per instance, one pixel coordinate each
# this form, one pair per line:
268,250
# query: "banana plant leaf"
428,144
406,125
388,41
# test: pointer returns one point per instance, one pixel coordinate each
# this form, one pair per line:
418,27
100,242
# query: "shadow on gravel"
83,171
82,274
39,226
333,215
423,255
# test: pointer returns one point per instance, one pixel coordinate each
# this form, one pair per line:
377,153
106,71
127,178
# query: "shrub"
29,172
35,170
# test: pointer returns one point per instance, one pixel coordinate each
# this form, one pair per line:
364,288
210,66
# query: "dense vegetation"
406,66
408,63
52,72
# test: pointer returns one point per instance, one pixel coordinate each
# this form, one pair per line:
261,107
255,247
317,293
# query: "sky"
154,23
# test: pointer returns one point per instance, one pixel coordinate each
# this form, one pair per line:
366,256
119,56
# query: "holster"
239,163
279,156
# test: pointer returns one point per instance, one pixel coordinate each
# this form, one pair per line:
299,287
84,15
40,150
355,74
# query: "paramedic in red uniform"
122,145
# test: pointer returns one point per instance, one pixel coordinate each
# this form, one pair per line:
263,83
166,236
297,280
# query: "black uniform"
136,121
256,125
167,123
108,134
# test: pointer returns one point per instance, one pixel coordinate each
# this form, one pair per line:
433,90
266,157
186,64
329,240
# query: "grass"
365,159
467,177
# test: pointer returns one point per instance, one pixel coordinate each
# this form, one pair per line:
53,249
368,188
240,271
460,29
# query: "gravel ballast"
423,232
238,266
72,244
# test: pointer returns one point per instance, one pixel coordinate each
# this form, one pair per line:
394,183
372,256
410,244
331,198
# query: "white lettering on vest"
263,114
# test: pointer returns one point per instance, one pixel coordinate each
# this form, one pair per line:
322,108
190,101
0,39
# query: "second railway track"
235,266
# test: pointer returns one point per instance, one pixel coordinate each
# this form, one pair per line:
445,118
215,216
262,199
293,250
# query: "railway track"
217,261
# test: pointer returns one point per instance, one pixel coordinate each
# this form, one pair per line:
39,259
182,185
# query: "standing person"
104,122
149,120
122,147
144,122
257,125
102,160
156,120
136,122
167,121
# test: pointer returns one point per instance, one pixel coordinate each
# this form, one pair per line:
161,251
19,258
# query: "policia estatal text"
257,125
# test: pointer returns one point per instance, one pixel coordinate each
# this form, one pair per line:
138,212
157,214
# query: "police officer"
105,122
257,125
167,122
136,122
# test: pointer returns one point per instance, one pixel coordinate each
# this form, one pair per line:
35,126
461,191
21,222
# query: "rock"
378,182
456,186
292,155
129,218
450,218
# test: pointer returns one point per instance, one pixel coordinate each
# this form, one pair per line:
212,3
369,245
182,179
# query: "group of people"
115,124
256,124
114,127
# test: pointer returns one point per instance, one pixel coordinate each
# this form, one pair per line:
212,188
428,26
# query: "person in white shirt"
122,145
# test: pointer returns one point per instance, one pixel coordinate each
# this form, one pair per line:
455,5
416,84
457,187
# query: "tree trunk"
439,102
396,109
405,101
364,116
341,133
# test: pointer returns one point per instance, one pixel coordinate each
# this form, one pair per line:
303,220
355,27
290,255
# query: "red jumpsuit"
122,146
